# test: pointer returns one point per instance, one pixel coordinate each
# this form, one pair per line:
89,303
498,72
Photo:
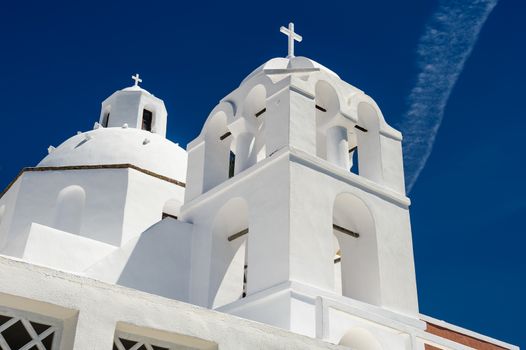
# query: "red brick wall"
459,338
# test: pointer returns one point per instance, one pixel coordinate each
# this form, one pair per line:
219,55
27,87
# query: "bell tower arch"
134,107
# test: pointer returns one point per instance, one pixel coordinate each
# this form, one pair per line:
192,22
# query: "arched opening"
229,272
354,229
171,209
360,339
147,120
105,119
217,160
327,106
249,145
69,209
368,137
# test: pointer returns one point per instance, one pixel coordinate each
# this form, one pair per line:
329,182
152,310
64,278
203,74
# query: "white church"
283,225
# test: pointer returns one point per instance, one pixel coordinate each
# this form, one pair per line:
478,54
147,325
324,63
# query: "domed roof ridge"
136,88
116,145
282,65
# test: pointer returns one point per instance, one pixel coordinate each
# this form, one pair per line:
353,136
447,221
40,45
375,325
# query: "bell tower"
297,184
136,108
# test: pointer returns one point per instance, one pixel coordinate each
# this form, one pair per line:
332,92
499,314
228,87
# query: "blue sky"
59,60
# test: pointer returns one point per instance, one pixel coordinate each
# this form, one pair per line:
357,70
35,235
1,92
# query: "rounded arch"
327,100
334,135
360,339
354,228
368,116
255,101
226,109
69,209
369,150
356,102
249,128
229,253
217,144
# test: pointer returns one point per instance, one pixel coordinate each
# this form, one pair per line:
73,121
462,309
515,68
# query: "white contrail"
447,42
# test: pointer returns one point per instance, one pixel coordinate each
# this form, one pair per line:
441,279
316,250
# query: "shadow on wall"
230,240
356,264
159,262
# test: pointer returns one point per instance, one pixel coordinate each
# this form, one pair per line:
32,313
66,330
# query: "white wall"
102,307
37,199
145,199
119,204
265,189
157,262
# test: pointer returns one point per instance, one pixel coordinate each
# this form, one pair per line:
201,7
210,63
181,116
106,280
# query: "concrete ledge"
102,306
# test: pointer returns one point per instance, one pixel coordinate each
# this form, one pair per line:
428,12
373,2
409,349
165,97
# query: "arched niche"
229,253
369,156
360,339
354,229
218,140
69,209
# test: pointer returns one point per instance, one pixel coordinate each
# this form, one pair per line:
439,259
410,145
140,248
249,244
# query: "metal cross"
137,79
292,36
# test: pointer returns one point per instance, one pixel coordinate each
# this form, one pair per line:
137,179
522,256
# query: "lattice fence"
20,333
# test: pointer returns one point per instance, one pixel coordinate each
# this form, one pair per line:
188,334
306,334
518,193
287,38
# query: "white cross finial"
137,79
292,36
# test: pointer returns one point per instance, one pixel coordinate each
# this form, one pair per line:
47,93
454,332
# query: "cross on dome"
137,79
292,36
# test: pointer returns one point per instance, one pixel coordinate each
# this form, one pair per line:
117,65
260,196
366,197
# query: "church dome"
136,88
289,65
109,146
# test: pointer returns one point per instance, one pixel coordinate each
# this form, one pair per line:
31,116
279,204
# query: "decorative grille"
20,333
126,341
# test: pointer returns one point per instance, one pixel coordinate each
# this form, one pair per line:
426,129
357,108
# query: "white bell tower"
287,224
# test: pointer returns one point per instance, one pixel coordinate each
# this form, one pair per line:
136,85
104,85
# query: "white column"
243,144
338,147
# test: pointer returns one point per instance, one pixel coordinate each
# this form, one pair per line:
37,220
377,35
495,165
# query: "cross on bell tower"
292,37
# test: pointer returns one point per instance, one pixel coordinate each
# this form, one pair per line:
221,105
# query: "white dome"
136,88
106,146
289,65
